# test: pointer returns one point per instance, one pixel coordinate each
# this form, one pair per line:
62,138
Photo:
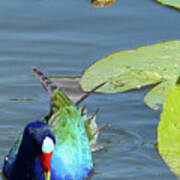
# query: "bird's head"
39,141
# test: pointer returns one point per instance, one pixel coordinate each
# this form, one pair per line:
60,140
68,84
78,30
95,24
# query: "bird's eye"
47,145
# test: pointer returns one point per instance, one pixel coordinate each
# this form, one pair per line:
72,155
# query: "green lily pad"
157,95
169,130
171,3
133,69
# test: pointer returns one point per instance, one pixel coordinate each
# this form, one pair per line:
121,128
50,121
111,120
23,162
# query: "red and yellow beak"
45,160
47,175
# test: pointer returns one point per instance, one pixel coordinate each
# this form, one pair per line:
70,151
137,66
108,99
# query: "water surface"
63,38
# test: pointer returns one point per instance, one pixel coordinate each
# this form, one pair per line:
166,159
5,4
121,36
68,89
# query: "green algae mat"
169,130
157,65
171,3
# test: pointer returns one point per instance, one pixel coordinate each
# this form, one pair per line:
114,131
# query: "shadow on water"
63,38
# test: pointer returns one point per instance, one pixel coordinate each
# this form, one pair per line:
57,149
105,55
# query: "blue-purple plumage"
74,133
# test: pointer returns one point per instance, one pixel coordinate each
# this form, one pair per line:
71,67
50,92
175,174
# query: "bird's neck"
25,156
25,164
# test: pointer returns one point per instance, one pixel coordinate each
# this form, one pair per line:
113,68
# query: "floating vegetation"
21,99
169,129
139,168
171,3
102,3
156,65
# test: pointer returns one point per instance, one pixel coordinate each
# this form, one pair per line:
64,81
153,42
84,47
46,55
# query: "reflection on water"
63,38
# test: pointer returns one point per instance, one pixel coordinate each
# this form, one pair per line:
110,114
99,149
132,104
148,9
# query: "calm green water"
66,37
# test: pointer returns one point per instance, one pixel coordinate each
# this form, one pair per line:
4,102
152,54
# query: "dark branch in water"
90,92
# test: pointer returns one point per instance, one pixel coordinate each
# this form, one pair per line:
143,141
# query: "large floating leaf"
171,3
157,94
169,130
134,69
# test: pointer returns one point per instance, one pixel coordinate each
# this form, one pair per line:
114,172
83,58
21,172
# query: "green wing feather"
60,110
62,106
